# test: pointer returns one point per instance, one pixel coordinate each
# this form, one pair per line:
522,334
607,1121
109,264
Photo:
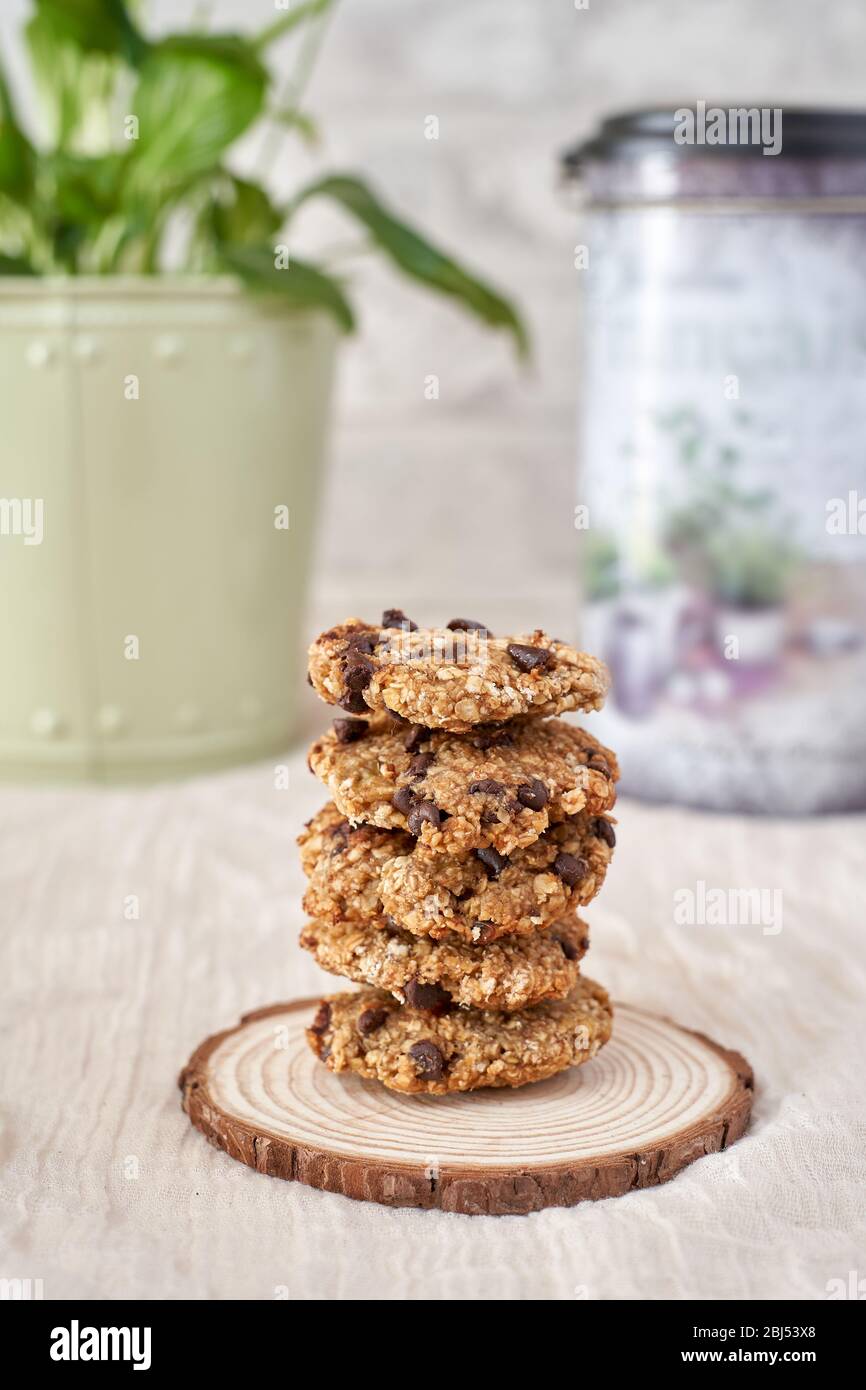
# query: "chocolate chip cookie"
454,677
496,788
513,973
412,1051
364,873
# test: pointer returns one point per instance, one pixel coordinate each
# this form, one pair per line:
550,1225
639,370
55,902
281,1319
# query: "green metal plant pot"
163,443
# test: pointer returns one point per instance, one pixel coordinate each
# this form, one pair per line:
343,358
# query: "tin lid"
722,132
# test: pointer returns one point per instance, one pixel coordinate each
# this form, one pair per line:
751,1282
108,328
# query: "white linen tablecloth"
108,1192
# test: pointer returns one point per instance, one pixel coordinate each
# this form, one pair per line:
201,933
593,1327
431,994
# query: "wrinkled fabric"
137,922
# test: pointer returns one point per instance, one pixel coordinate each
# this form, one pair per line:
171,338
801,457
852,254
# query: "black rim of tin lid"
807,133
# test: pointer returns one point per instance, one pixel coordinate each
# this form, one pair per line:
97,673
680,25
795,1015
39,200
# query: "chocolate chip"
424,811
599,764
357,670
415,737
395,717
419,765
403,800
489,785
530,658
570,869
370,1020
395,617
365,641
309,679
489,818
533,794
350,730
428,1060
322,1020
491,738
433,998
354,703
391,923
493,861
605,831
339,836
569,950
468,625
485,932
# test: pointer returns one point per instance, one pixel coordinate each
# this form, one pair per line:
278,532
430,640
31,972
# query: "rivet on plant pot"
39,354
110,719
85,348
168,349
45,723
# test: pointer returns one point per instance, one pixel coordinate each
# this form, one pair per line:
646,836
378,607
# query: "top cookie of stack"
452,678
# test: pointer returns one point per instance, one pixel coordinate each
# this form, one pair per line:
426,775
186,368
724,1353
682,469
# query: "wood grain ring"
656,1098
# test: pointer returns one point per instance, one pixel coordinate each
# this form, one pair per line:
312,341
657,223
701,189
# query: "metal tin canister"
721,503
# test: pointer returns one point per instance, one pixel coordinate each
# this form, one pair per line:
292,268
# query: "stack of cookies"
467,828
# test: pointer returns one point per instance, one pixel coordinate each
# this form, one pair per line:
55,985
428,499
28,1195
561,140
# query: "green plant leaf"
298,14
120,245
57,64
15,265
75,198
299,284
96,26
17,156
196,94
298,121
241,213
82,189
416,257
74,85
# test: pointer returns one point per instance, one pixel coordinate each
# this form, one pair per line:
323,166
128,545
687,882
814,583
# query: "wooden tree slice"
654,1099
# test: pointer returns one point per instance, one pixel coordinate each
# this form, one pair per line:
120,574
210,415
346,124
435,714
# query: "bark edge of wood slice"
654,1100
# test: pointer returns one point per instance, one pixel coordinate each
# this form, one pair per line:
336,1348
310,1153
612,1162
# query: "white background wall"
465,503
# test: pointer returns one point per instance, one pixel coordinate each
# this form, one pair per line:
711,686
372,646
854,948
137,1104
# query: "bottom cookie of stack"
412,1051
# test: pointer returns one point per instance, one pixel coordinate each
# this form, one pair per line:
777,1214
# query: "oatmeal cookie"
408,1050
497,789
453,677
361,874
513,973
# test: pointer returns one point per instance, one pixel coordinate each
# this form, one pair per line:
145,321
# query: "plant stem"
295,86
